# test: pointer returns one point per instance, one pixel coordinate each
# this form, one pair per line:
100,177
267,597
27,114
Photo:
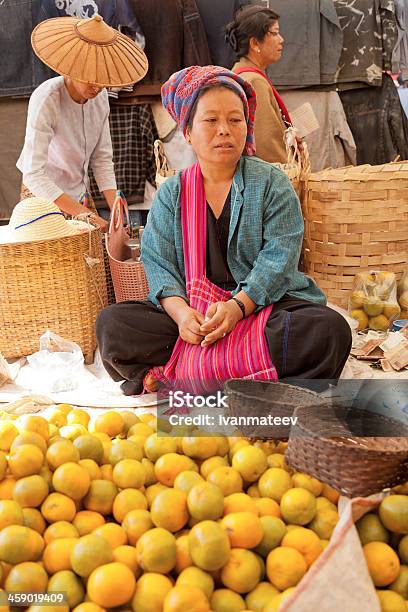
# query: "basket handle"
119,211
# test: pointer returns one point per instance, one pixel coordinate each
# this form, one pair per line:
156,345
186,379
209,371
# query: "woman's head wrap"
181,90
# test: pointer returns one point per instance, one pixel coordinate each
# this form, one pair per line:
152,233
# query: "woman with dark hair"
255,38
221,250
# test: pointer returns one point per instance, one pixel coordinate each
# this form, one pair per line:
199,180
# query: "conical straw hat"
90,51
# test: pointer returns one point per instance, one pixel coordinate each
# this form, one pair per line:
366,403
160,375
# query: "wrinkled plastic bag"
56,367
373,300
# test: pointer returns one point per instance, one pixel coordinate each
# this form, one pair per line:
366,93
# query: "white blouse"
63,138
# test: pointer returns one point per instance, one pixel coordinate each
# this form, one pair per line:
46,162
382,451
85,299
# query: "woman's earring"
258,50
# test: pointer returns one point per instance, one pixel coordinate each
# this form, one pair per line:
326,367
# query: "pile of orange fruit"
117,516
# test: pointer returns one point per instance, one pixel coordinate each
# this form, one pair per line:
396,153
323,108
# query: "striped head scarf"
181,90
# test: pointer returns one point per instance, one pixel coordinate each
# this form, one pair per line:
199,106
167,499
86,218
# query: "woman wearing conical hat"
67,123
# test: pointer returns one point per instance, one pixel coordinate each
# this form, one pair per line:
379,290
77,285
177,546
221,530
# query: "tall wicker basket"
58,285
356,219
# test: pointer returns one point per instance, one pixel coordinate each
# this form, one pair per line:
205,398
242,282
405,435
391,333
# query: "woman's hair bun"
231,36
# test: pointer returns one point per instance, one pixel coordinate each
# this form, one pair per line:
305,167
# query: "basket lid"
365,172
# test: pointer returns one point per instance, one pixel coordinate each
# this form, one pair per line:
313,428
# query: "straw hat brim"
89,51
10,236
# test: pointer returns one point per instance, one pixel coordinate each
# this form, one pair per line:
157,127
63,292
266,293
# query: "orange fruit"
158,445
30,437
57,418
89,447
253,491
393,513
102,579
136,523
330,494
199,447
168,466
382,562
124,449
151,591
62,451
267,507
107,472
185,481
285,567
110,423
72,480
205,501
127,555
274,483
228,479
242,571
183,557
324,523
88,606
257,599
6,488
152,491
127,500
90,552
250,462
180,599
8,433
400,584
78,417
298,506
210,464
240,502
19,544
58,507
113,533
57,555
92,468
30,491
209,545
67,582
11,513
31,422
307,482
150,476
274,530
101,496
304,541
195,577
391,602
169,510
129,473
27,576
34,520
370,529
60,529
86,521
156,551
25,460
225,600
244,529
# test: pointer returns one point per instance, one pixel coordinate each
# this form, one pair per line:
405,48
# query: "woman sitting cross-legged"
221,251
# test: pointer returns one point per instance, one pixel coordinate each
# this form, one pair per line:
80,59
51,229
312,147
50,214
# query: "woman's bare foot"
151,384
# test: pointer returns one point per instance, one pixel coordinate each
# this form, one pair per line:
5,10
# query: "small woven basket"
56,285
328,442
255,398
128,277
356,219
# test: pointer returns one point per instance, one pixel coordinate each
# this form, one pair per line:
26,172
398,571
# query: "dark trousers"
305,340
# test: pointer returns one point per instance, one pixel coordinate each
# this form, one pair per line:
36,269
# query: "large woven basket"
255,398
356,219
331,444
57,285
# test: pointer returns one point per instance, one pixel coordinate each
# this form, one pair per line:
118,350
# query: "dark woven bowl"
355,451
254,398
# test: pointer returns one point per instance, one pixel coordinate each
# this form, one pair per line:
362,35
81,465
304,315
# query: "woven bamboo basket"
248,398
354,451
58,285
356,219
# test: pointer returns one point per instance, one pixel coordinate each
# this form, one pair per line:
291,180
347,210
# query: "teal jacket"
264,242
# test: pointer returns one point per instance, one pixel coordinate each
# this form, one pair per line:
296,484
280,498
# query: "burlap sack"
339,579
